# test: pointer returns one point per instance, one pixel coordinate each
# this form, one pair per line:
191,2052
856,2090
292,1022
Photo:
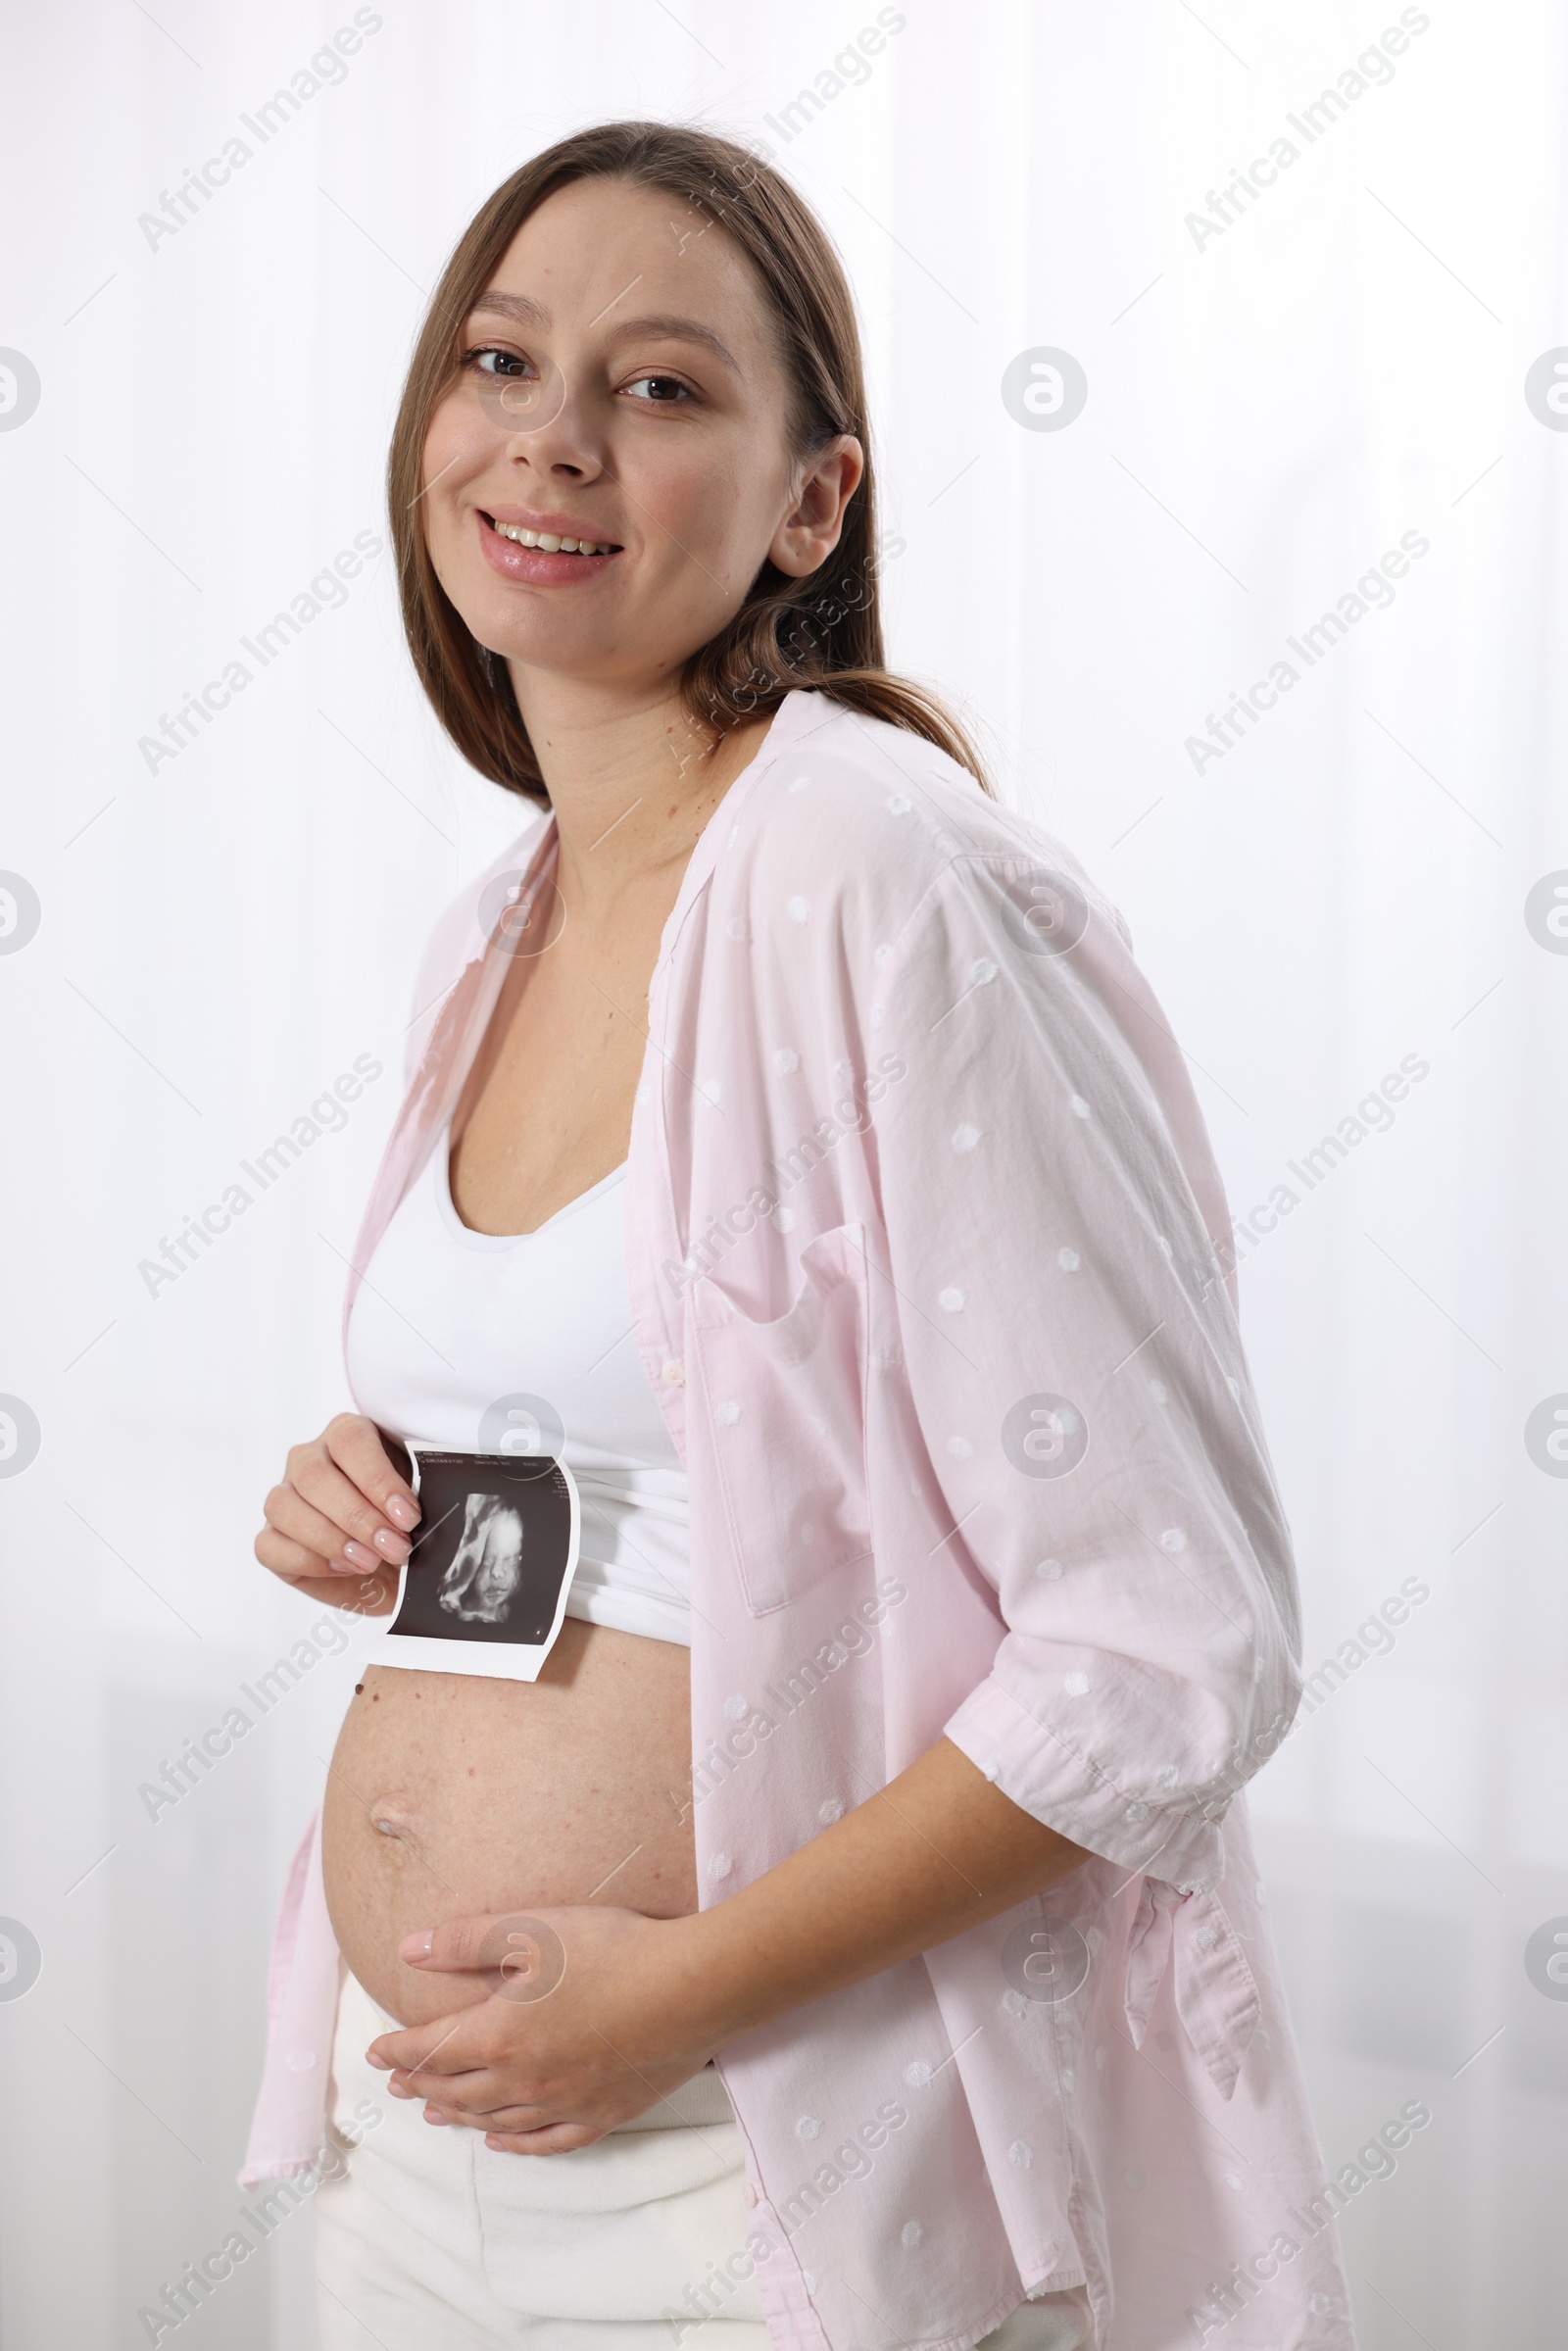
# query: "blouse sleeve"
1075,1362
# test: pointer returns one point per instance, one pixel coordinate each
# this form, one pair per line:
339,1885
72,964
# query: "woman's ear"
809,531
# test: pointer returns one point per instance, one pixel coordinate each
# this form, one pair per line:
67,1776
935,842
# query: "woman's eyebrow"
521,307
529,312
678,330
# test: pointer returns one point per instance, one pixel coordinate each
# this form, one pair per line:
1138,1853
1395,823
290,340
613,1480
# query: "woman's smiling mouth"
548,550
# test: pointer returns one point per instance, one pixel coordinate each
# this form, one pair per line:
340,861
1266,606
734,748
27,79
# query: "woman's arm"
644,2002
937,1850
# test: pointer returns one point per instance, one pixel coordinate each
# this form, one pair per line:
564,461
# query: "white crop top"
462,1340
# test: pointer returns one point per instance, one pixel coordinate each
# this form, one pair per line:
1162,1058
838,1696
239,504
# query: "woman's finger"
522,2120
295,1562
295,1533
459,2043
355,1444
561,2138
298,1565
525,1952
337,1584
477,2091
453,1947
320,1505
461,2102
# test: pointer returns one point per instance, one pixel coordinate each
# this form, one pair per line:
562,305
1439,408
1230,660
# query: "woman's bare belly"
450,1795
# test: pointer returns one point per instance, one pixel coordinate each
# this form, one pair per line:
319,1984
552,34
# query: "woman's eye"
664,391
508,368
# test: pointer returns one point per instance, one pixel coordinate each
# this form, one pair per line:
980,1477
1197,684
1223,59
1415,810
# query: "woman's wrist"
707,1990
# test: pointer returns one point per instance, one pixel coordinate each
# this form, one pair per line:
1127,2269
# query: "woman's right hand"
341,1511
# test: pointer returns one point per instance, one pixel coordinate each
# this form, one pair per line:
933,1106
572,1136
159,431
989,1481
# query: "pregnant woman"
790,1128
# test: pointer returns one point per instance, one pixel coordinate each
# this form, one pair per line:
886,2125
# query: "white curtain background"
1273,405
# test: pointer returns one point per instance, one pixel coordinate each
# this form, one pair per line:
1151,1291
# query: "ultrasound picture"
482,1581
492,1560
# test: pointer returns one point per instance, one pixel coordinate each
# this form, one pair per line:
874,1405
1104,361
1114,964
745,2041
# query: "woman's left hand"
594,2015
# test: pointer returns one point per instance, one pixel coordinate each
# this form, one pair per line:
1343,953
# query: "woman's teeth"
550,541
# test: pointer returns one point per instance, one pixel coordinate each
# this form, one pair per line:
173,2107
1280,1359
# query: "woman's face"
619,383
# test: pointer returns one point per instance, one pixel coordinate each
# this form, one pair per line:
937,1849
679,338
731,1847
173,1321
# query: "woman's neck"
632,781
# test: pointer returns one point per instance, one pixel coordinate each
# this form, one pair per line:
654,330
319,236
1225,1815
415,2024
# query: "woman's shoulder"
869,768
858,817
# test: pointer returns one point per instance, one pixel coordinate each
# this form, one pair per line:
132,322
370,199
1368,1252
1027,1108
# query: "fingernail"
416,1946
436,2118
345,1567
383,2064
391,1546
402,1513
359,1555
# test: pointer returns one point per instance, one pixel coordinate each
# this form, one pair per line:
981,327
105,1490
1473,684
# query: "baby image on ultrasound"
487,1566
484,1589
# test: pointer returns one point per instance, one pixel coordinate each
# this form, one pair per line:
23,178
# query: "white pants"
429,2240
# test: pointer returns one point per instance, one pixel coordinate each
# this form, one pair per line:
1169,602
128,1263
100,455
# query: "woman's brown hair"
824,631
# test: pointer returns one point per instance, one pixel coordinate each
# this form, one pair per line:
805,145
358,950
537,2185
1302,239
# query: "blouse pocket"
785,1402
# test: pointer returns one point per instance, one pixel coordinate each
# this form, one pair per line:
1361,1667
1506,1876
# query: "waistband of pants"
703,2101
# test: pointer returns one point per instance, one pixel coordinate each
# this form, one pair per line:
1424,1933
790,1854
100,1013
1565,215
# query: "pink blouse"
929,1260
